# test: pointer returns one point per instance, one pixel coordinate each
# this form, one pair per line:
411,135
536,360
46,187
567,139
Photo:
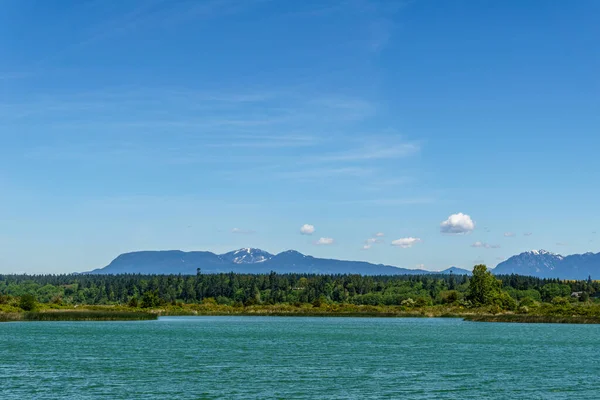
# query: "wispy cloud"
152,15
324,241
390,201
485,245
372,152
371,241
348,107
265,142
275,131
509,234
377,238
241,231
378,23
406,243
325,172
115,25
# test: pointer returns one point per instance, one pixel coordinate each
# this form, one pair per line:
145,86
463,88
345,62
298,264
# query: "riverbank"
533,319
126,313
77,315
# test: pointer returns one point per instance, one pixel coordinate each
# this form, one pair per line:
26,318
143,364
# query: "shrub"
423,301
523,310
209,301
133,302
527,302
408,302
505,301
222,300
57,299
28,302
560,301
450,296
150,299
495,309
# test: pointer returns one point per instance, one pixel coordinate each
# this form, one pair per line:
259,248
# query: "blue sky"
220,124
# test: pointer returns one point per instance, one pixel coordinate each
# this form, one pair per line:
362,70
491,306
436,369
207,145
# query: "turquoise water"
298,358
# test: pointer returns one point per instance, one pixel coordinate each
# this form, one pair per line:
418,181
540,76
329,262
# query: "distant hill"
455,271
251,261
544,264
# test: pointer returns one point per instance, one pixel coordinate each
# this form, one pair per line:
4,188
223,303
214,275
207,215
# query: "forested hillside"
246,289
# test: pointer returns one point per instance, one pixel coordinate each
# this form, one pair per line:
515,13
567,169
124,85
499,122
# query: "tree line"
234,289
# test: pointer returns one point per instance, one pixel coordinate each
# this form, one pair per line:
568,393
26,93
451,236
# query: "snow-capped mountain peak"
247,256
533,263
541,252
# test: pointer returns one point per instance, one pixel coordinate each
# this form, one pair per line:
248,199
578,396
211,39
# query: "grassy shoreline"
533,319
125,313
77,315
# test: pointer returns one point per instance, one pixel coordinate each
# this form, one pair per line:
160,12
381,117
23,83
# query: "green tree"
449,296
28,302
133,302
552,290
484,288
451,281
150,299
505,301
4,299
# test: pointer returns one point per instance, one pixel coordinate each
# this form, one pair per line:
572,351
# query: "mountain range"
544,264
251,261
538,263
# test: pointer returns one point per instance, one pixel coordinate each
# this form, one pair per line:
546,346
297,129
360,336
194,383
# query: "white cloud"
406,242
307,229
527,234
374,240
457,224
485,245
379,234
324,241
509,234
242,231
